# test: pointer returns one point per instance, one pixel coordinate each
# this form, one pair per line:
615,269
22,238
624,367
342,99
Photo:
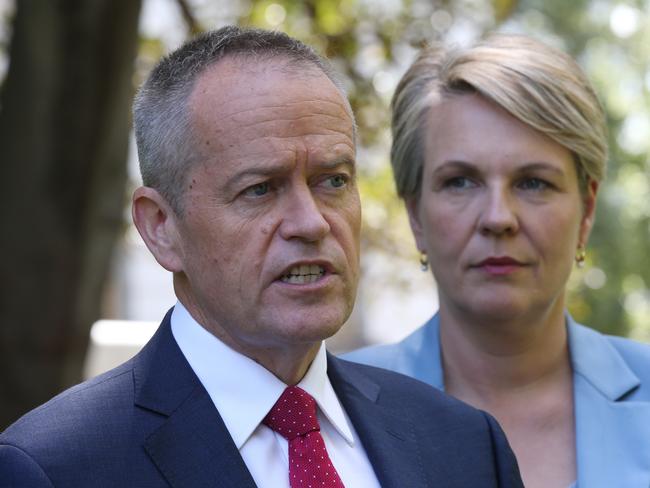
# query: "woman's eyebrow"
541,166
455,164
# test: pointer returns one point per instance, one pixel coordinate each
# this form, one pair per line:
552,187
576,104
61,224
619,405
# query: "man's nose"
302,217
499,213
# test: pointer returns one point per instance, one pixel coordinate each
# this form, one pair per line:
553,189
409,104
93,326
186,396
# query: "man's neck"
288,362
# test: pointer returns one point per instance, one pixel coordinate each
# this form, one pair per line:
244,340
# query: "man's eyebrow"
277,168
265,171
340,161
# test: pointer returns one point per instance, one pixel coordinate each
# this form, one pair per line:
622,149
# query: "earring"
581,254
424,261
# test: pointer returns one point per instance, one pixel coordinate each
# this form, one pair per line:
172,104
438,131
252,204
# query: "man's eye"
534,184
337,181
258,190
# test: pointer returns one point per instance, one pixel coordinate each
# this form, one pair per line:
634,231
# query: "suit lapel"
387,435
611,433
209,456
191,447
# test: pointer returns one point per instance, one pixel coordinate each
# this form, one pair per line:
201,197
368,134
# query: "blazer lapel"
191,447
611,433
388,437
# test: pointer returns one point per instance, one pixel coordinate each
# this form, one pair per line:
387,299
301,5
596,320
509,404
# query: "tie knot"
294,414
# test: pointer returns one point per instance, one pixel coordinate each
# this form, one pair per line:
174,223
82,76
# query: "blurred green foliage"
372,42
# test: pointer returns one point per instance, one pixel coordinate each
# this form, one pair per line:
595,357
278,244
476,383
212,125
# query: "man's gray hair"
163,132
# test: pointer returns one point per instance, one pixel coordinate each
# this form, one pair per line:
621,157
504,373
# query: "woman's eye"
337,181
258,190
535,184
459,183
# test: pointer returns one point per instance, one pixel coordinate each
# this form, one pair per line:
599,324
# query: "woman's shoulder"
416,355
381,356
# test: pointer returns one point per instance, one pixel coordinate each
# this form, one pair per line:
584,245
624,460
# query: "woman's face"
500,214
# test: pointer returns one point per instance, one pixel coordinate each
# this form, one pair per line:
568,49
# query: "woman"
498,153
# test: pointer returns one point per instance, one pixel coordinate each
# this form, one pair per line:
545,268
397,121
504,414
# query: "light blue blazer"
611,388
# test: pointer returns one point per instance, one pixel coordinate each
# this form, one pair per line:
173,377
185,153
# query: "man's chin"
311,327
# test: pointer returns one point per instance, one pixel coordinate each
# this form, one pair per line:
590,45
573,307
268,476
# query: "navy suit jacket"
150,423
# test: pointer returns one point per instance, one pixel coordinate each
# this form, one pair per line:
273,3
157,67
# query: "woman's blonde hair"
539,85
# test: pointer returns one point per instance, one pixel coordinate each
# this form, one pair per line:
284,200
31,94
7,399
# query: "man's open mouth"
303,274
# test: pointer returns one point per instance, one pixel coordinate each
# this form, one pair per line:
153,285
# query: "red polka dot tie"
294,417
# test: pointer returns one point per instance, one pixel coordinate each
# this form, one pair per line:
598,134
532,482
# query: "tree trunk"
64,126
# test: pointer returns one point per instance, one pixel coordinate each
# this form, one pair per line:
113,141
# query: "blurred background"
69,255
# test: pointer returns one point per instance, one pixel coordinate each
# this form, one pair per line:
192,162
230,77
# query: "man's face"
269,235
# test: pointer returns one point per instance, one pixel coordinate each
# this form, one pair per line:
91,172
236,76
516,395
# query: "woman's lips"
500,266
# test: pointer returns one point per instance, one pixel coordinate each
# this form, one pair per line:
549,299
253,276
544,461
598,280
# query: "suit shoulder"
81,408
89,435
18,469
438,423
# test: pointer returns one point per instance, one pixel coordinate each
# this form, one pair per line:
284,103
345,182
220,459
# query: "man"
247,152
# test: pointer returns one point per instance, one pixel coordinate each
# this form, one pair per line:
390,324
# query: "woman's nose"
499,214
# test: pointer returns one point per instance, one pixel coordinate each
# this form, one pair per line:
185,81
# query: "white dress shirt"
244,391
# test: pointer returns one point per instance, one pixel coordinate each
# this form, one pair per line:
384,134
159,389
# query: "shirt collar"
318,385
243,399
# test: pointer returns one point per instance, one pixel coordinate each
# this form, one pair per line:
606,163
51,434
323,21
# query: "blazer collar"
598,362
190,444
611,433
387,434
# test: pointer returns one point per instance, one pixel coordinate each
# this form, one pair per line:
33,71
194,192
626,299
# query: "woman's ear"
589,211
157,224
413,210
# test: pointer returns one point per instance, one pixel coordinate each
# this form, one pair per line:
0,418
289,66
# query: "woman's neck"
520,372
486,360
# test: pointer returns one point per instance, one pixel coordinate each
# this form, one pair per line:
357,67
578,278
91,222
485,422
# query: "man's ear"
589,212
413,210
157,224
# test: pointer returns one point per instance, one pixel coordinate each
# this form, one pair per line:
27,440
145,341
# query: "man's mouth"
303,274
